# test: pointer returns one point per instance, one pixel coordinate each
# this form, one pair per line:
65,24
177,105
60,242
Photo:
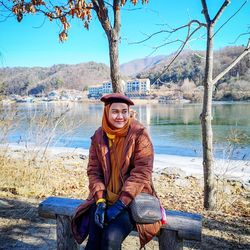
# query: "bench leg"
169,240
65,240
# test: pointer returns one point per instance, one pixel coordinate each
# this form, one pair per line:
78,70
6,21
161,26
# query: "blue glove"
115,210
99,214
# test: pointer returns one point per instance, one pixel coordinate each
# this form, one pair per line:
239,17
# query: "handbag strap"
153,188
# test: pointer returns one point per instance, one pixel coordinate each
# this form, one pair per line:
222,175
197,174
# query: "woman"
120,167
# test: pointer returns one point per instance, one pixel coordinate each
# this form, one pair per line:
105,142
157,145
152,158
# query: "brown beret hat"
116,97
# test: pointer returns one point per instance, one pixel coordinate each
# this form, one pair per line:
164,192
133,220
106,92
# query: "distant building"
95,91
131,87
53,96
137,86
107,88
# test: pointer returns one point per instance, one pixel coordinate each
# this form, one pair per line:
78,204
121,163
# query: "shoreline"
137,101
238,170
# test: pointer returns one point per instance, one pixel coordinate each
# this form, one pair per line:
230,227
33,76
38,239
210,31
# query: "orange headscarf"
109,129
116,137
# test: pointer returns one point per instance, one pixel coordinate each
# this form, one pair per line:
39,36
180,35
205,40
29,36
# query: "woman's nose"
119,115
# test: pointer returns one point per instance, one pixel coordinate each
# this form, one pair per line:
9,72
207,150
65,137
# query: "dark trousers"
112,234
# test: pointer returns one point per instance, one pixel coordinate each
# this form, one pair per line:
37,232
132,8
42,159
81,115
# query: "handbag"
146,209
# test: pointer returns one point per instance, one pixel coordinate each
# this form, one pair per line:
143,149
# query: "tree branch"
243,34
220,11
116,10
244,53
95,6
108,4
189,35
230,18
6,17
205,11
166,43
5,6
188,25
102,14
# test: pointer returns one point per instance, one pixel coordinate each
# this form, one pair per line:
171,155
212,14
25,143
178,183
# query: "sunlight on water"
175,129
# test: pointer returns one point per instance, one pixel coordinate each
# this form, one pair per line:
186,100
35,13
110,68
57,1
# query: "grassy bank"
27,176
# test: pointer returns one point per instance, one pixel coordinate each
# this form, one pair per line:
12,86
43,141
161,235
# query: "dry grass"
27,178
187,195
25,174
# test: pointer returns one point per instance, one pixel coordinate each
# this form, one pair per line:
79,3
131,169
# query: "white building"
137,86
99,90
95,91
134,87
107,88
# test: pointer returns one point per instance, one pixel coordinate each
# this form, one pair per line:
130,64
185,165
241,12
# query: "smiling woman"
120,167
118,114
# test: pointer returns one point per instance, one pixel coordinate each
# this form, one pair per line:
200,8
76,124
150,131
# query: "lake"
174,128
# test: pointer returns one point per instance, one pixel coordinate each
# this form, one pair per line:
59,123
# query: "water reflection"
175,114
175,129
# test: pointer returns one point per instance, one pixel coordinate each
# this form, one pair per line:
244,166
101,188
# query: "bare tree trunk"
114,61
113,35
206,118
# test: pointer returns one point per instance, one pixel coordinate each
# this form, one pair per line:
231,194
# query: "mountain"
189,65
134,67
186,74
24,80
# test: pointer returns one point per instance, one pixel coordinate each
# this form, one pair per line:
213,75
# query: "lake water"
174,128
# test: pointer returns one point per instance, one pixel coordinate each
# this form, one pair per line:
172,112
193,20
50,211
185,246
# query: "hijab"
116,138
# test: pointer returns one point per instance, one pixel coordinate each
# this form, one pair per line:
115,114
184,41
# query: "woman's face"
118,114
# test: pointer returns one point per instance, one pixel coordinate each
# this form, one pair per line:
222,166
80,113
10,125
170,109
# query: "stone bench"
180,225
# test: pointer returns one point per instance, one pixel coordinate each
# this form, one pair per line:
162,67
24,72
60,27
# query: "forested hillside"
24,80
185,73
190,64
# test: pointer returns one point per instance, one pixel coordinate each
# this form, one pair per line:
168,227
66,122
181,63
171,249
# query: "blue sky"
34,41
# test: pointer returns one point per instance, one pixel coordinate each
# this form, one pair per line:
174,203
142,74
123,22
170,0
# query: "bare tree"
206,115
108,13
209,81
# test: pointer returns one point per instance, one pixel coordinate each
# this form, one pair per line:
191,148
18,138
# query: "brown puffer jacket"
136,174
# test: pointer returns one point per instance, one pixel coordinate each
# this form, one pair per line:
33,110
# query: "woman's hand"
100,213
115,210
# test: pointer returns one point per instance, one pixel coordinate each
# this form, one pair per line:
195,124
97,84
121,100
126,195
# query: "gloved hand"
115,210
100,213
